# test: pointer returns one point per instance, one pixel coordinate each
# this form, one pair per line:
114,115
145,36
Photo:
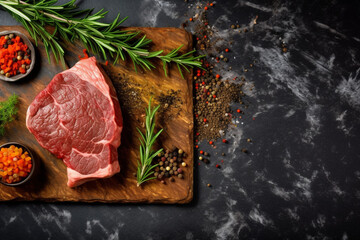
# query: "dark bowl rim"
33,56
32,168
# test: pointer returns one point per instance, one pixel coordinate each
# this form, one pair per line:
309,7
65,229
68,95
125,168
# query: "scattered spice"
170,163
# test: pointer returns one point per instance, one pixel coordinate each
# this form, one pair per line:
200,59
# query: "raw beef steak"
77,117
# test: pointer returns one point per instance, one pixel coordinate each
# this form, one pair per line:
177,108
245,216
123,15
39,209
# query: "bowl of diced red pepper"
17,164
17,56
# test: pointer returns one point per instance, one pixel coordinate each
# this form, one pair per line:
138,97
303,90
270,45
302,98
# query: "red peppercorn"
214,96
191,19
211,4
206,8
226,50
238,110
211,142
224,141
197,134
201,152
217,166
205,120
217,76
196,146
205,36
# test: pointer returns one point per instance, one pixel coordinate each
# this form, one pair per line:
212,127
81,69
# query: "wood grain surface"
49,180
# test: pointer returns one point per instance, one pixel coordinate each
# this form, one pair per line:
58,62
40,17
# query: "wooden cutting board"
49,182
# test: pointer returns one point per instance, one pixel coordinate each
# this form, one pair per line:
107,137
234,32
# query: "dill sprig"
147,140
7,112
72,24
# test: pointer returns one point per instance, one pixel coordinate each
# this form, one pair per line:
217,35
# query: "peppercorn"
222,154
9,42
208,185
27,66
172,179
224,141
11,35
176,173
162,181
206,153
248,140
2,72
180,176
206,161
201,158
201,151
174,168
244,150
161,163
180,151
19,58
167,168
217,166
161,168
6,37
167,174
179,170
171,172
156,174
183,164
156,169
26,57
7,75
163,159
5,46
232,26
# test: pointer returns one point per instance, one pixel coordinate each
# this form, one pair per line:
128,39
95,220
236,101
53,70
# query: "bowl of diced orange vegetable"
17,56
17,164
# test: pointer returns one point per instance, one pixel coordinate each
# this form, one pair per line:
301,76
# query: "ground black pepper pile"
213,94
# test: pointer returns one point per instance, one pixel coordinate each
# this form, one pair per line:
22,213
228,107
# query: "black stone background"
301,179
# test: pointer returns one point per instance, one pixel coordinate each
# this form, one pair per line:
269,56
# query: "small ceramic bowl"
33,55
27,178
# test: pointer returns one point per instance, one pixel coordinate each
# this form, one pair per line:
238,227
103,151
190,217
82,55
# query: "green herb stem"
72,24
147,140
7,112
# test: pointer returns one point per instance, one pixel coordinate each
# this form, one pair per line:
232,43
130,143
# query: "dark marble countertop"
301,178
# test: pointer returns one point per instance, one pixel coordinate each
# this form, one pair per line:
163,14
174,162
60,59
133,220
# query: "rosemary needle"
107,39
147,140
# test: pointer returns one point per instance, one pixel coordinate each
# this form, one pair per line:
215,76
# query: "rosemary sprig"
7,112
147,140
72,24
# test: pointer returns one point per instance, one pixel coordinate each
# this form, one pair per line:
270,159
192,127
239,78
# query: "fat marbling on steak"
77,117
